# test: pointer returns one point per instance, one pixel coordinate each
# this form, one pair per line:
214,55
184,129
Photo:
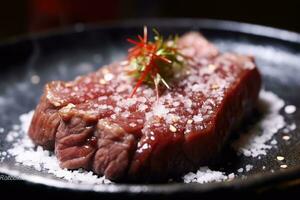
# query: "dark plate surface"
82,49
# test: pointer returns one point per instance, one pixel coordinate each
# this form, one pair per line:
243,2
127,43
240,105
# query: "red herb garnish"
153,62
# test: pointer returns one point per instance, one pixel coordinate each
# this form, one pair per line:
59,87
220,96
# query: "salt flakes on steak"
197,118
250,144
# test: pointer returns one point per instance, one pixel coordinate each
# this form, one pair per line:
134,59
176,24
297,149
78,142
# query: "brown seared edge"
44,123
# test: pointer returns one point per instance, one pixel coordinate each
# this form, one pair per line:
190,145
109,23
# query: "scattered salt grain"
35,79
125,114
285,137
254,142
290,109
248,168
108,76
176,103
205,175
286,130
142,107
197,118
292,127
132,124
273,142
283,166
197,88
1,130
113,116
102,81
122,88
231,176
15,127
142,99
172,128
140,121
188,103
249,65
117,109
11,136
240,170
159,110
190,121
280,158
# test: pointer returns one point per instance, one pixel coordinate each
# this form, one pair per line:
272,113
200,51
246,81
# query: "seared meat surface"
92,123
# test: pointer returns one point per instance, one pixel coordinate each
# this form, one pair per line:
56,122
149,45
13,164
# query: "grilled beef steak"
92,123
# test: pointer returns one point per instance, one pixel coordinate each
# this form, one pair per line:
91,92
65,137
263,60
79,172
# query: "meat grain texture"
91,123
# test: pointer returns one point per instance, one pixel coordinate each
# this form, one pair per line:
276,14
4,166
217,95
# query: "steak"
92,123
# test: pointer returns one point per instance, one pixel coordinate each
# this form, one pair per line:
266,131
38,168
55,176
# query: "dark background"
19,17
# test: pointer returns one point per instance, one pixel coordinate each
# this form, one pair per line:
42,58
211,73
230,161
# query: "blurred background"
18,17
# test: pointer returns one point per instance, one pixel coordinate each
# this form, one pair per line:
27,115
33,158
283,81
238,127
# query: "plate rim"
217,24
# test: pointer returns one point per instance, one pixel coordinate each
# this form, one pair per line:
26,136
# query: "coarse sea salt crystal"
122,88
197,88
249,167
286,137
198,118
231,176
125,114
290,109
117,109
176,103
102,98
160,110
142,99
16,127
240,170
254,142
132,124
108,76
142,107
273,142
205,175
125,103
148,92
292,127
188,103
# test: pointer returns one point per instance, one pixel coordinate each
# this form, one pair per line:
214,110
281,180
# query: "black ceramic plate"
82,49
